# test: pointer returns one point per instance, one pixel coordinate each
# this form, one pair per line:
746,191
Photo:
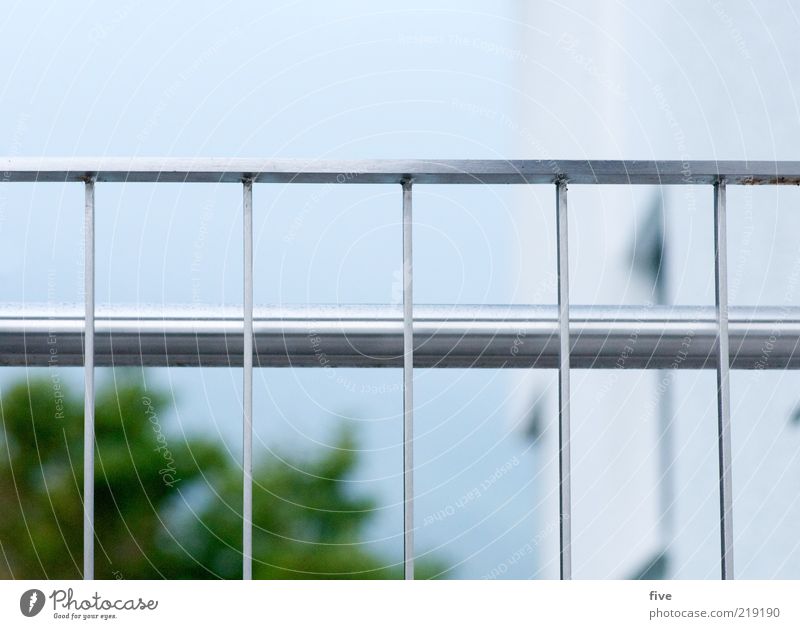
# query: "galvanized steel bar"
564,472
216,170
408,386
445,336
247,401
88,400
723,380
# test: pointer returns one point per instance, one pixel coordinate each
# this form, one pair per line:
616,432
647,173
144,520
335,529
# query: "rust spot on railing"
782,180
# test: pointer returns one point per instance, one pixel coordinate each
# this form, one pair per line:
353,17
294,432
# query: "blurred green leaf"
167,504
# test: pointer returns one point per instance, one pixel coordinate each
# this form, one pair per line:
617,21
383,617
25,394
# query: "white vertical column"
408,388
564,480
723,383
88,400
247,401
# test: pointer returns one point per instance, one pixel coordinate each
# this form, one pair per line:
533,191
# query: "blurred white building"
628,80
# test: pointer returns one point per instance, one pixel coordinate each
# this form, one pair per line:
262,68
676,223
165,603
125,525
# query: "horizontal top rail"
627,337
458,171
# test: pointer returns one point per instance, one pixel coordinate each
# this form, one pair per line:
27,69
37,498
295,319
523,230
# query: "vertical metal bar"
666,467
564,480
723,384
408,388
88,400
247,402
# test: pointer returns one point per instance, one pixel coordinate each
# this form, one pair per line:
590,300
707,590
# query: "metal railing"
473,336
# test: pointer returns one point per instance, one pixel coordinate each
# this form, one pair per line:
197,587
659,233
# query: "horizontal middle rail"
372,336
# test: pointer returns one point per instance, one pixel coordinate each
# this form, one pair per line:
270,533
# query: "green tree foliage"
166,505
